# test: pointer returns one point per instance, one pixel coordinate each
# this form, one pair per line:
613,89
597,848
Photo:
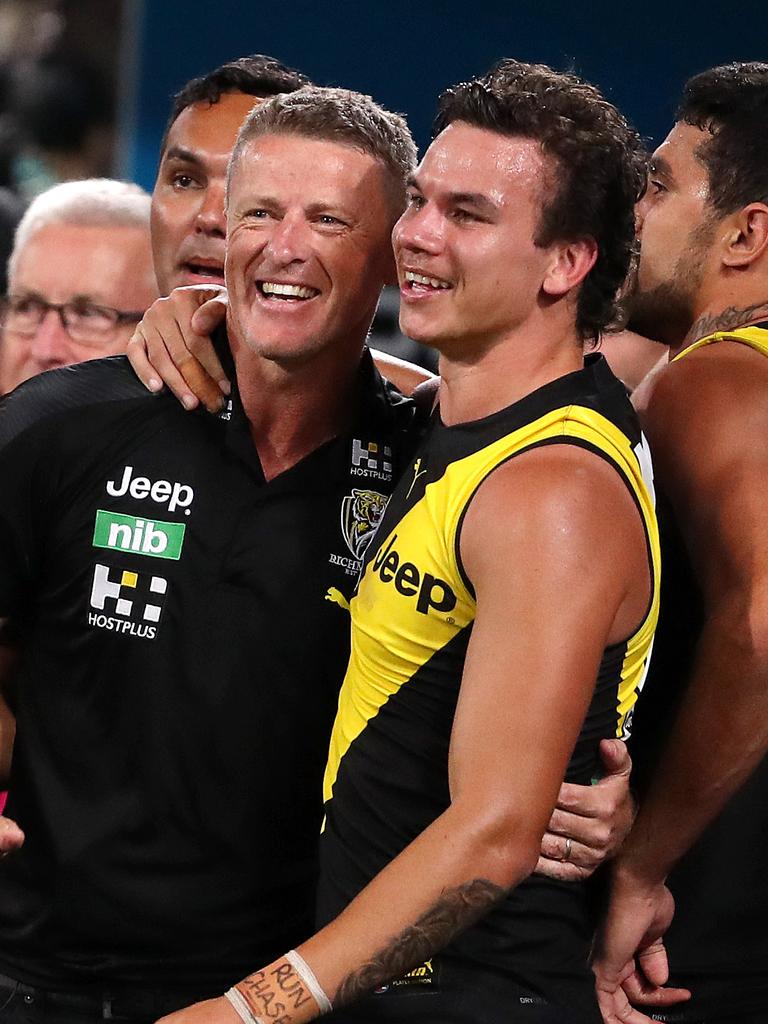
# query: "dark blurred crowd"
56,110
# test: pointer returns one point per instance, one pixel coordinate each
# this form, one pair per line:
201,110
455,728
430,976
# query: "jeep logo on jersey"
430,591
361,512
139,536
161,491
126,602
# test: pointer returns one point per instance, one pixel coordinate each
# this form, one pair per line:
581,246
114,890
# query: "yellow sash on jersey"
754,337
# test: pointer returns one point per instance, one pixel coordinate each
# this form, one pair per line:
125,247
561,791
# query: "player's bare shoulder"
570,510
713,401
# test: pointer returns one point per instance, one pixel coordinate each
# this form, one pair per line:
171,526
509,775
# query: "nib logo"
138,536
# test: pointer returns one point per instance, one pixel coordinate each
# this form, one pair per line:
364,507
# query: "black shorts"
459,994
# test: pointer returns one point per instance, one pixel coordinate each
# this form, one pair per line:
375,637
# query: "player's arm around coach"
573,511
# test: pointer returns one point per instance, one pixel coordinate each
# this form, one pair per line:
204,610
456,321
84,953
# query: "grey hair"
336,115
92,202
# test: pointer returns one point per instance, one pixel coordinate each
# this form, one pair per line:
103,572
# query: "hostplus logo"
128,602
371,460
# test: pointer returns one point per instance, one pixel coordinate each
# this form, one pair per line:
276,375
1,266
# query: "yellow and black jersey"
717,943
755,336
387,774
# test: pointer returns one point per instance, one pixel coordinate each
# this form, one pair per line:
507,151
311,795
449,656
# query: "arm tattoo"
456,910
728,320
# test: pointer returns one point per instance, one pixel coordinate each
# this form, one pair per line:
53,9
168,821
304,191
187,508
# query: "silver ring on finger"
567,851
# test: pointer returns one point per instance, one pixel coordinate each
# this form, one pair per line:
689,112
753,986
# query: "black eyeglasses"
82,320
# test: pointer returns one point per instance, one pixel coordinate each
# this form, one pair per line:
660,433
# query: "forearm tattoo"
456,910
728,320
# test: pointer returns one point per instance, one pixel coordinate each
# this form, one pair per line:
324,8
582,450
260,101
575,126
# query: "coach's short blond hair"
336,115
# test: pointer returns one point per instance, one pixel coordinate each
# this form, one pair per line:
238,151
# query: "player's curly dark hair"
598,172
730,102
257,75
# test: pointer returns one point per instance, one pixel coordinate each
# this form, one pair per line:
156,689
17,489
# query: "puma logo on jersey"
430,591
417,472
337,597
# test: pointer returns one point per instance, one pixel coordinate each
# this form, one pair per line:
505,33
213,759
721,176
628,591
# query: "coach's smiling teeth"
286,291
430,282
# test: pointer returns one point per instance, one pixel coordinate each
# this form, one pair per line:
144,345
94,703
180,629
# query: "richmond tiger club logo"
361,513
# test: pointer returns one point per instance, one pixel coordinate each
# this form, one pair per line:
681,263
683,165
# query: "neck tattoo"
728,320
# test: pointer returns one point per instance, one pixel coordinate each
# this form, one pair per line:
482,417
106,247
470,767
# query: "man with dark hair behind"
471,691
257,75
188,225
702,288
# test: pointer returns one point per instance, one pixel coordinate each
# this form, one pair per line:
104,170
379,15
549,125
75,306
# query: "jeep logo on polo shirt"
163,492
430,591
139,536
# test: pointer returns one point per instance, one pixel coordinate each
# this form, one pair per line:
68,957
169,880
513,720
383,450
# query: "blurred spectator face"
101,277
188,223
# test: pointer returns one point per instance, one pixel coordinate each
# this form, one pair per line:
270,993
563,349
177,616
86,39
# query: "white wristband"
241,1007
307,975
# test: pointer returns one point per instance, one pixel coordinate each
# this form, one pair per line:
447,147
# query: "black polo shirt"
184,637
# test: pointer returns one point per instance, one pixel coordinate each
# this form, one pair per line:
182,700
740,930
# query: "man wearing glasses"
80,277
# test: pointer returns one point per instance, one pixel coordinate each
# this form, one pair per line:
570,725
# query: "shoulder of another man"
68,391
706,419
715,389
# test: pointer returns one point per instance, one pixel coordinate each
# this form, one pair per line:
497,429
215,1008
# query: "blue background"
404,54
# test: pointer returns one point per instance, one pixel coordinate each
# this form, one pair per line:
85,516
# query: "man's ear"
570,264
746,237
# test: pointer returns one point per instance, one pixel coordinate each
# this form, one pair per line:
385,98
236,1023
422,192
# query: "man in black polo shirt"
179,584
187,212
